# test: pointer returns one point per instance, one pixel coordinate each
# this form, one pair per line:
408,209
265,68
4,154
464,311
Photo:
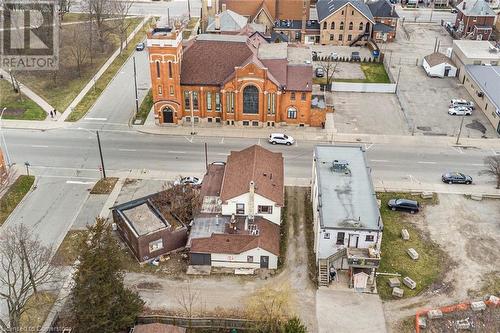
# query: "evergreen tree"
99,300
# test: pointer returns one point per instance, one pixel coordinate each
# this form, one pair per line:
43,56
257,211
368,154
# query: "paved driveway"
347,311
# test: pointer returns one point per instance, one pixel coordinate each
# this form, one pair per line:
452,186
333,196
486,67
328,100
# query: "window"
156,245
303,96
249,258
292,96
324,25
195,100
230,102
340,238
292,113
209,119
477,62
349,37
332,36
196,119
369,238
340,37
217,102
332,25
160,90
341,25
352,12
255,123
350,25
187,100
246,123
209,101
361,26
271,103
326,235
217,120
188,119
342,13
158,69
240,208
169,69
265,209
172,90
251,100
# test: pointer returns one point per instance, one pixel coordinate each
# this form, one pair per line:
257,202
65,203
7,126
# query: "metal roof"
488,78
346,197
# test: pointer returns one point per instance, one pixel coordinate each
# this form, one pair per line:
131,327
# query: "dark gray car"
456,178
411,206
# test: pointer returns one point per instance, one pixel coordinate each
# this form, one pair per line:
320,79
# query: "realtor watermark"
29,35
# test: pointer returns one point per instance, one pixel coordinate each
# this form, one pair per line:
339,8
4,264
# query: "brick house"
475,20
344,22
230,80
239,223
147,230
386,20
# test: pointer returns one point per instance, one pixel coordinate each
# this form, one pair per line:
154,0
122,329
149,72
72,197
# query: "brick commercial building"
230,80
475,20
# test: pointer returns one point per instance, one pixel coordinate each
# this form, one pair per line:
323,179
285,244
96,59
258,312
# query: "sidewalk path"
30,94
101,71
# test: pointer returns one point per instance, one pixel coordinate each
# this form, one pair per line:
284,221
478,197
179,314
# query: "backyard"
17,106
364,72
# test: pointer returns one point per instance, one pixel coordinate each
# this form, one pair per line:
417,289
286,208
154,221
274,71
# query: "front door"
353,240
168,115
447,70
264,261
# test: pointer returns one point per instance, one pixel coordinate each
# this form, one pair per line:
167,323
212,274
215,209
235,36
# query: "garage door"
201,259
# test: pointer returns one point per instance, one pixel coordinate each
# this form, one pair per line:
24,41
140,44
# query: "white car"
334,55
194,181
461,102
460,111
281,138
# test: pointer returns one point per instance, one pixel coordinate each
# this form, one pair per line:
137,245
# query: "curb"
20,203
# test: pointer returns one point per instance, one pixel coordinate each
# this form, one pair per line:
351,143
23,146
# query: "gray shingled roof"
229,21
475,8
327,7
382,27
382,8
488,78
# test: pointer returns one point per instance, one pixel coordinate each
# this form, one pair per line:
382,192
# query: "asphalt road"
73,153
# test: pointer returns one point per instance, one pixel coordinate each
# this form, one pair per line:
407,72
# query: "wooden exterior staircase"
324,267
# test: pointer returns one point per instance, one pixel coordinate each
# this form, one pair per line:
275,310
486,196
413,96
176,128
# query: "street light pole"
135,85
7,155
460,129
100,154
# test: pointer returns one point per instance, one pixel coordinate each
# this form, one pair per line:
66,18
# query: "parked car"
320,72
454,10
393,1
140,46
461,102
194,181
281,138
456,178
334,55
219,163
460,111
314,53
355,56
411,206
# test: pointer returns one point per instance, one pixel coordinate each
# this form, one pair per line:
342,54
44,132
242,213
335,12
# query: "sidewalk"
42,125
317,134
101,71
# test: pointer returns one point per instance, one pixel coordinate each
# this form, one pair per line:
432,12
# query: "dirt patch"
104,186
482,249
484,321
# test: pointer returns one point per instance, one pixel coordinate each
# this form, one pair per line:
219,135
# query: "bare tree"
492,164
98,11
122,23
329,66
63,8
270,307
181,201
79,48
25,268
188,299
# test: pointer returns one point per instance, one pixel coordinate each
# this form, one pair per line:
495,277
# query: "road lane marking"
368,146
78,182
99,119
221,140
381,161
124,149
426,162
190,140
176,152
39,146
477,164
222,154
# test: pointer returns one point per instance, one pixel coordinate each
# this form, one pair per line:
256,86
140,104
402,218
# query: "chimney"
251,198
246,223
392,10
224,7
463,4
217,22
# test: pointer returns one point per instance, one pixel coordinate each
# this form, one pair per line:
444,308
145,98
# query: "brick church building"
236,80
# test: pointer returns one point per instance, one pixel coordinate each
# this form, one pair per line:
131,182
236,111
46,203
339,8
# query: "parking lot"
425,100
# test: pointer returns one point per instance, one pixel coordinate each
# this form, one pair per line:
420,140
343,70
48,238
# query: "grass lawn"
91,97
38,307
104,186
146,106
14,195
67,252
75,17
374,73
17,109
424,271
59,88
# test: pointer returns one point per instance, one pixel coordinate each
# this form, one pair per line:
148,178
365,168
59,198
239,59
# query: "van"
461,102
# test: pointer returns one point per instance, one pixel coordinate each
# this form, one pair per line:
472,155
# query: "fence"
227,323
364,87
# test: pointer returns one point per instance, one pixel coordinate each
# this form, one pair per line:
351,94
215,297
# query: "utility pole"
432,10
206,157
189,9
100,154
460,129
136,96
192,115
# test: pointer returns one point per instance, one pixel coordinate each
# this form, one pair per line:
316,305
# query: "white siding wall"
327,247
240,260
438,70
229,207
